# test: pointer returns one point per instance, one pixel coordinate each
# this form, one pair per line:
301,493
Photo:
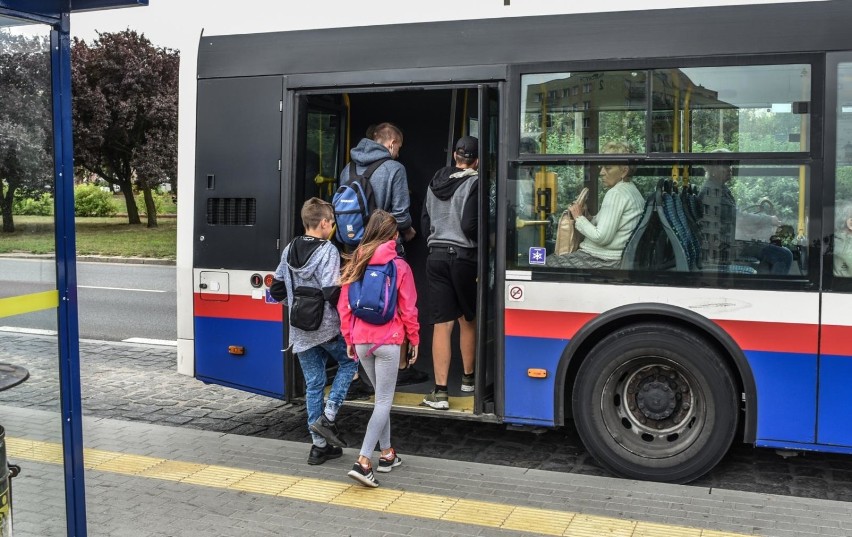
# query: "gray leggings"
381,368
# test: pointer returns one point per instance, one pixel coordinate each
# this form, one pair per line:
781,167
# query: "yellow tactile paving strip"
429,506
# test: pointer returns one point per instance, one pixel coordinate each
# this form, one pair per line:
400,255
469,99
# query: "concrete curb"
96,259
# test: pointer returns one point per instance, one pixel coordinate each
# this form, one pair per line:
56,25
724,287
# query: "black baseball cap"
467,147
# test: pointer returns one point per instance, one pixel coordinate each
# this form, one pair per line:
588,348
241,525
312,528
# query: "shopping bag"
567,237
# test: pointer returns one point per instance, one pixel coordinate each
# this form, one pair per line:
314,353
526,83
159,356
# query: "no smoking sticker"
515,293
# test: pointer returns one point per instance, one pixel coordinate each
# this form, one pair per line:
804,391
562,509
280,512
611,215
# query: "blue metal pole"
66,277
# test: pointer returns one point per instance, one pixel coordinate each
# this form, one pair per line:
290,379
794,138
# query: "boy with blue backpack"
309,271
378,312
375,179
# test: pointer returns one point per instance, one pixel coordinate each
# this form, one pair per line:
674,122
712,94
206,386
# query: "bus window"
721,217
750,218
577,113
322,153
747,109
536,194
842,246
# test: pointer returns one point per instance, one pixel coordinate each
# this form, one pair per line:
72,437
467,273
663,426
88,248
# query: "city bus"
717,321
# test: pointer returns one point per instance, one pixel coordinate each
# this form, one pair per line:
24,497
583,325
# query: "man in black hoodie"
450,220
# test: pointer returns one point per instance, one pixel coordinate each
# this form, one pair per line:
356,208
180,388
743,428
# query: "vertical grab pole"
66,277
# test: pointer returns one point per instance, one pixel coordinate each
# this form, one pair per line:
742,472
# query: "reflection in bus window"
750,224
747,109
577,113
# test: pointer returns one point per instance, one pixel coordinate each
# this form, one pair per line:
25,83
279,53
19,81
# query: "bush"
38,206
162,200
91,200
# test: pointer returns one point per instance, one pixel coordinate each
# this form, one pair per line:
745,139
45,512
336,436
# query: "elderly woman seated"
606,234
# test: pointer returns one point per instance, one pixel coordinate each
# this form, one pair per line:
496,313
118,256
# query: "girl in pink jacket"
378,346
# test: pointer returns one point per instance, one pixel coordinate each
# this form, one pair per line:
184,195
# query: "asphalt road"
140,383
117,301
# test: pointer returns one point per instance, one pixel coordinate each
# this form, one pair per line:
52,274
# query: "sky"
178,23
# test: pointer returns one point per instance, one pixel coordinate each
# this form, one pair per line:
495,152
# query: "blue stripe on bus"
530,400
259,370
786,386
835,409
786,395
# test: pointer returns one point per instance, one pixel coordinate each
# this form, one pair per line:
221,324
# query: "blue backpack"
353,203
373,298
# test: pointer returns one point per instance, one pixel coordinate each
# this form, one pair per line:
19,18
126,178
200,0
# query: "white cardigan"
606,234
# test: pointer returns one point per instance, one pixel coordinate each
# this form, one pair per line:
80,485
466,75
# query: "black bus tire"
655,402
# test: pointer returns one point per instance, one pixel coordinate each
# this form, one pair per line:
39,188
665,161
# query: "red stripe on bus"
545,324
836,340
237,307
773,337
749,335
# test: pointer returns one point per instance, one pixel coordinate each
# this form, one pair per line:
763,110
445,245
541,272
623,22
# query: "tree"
25,120
125,106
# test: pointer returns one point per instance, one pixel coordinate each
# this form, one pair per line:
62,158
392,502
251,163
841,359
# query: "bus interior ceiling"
423,116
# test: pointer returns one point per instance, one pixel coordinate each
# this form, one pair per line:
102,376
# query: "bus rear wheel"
655,402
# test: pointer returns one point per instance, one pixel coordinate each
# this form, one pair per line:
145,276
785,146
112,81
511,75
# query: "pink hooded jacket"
404,324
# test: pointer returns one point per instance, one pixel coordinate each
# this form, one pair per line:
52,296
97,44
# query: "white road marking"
147,341
120,289
36,331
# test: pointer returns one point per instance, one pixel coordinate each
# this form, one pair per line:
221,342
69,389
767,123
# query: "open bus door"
237,326
432,119
486,355
319,154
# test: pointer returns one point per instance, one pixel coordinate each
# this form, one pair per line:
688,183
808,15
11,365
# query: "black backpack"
353,203
308,306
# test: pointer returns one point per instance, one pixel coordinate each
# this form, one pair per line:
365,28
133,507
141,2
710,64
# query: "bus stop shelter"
46,24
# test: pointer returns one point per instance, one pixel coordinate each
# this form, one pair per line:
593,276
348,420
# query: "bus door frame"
835,293
484,254
299,103
297,90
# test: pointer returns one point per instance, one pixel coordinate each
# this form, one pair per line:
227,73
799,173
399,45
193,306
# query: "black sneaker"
409,375
386,464
328,430
363,475
319,455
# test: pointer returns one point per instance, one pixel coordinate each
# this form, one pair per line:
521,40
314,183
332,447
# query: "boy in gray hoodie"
389,181
390,193
311,260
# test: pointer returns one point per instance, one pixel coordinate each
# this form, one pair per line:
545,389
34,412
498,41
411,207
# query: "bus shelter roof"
53,9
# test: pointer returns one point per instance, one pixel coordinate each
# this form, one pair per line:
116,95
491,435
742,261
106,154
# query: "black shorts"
452,284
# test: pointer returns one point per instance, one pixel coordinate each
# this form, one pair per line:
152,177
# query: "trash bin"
10,376
5,493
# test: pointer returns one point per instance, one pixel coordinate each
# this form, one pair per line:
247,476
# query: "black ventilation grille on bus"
231,211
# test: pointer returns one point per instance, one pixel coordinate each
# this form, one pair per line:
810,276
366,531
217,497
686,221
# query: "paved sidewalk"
155,493
137,405
140,383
